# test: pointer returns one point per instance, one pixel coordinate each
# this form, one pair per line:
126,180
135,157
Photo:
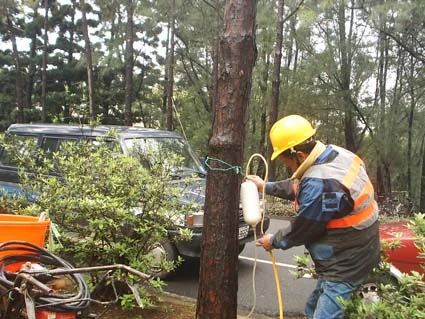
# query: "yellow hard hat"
289,131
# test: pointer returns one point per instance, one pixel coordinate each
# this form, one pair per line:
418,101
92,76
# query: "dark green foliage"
7,99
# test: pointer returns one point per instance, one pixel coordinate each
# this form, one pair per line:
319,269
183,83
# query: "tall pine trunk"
274,111
89,62
129,65
170,87
32,64
167,51
70,59
214,77
345,69
381,188
422,180
44,66
218,279
410,118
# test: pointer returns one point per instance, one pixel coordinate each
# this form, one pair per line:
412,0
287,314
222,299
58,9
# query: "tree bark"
274,111
214,77
70,58
410,119
262,123
32,65
345,56
379,102
422,180
170,124
44,66
218,279
89,62
167,51
129,65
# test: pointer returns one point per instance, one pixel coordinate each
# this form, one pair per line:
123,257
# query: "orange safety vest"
364,202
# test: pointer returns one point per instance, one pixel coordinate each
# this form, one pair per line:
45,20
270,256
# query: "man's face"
293,162
289,162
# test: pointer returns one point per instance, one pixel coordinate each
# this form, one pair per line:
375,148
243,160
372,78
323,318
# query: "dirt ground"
166,309
169,307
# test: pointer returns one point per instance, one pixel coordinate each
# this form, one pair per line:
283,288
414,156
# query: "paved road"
294,291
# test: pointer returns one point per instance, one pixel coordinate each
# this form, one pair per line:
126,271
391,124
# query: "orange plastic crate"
22,228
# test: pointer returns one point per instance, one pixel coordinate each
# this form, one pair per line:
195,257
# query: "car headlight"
195,219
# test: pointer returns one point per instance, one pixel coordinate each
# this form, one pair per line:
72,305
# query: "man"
337,215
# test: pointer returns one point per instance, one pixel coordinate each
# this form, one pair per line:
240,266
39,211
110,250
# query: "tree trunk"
410,118
345,56
274,111
392,118
70,57
262,123
44,66
167,51
89,62
218,279
170,124
379,102
19,86
422,183
214,77
32,64
129,63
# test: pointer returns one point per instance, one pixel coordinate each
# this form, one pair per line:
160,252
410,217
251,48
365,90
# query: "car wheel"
370,292
161,253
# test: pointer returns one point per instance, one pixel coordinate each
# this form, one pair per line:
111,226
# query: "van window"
140,147
53,144
21,145
112,145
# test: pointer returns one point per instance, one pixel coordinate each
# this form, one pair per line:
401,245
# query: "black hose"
28,252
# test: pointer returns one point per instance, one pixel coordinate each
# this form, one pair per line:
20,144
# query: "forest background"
353,67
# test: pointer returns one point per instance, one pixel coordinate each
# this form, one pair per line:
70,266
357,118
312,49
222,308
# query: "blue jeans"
323,303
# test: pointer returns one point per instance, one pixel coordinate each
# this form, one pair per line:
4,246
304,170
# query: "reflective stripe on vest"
354,219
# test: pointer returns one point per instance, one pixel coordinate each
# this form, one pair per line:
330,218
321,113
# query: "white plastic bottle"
250,203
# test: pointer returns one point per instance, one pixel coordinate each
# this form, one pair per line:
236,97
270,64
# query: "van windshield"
143,148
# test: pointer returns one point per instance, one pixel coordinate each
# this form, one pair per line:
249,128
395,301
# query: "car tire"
162,251
370,292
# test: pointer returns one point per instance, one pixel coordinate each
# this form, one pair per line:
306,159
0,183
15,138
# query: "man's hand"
266,242
258,181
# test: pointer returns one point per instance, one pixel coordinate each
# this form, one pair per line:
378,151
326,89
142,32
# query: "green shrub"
404,298
107,207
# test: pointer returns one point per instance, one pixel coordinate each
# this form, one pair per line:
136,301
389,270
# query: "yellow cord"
275,272
276,279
